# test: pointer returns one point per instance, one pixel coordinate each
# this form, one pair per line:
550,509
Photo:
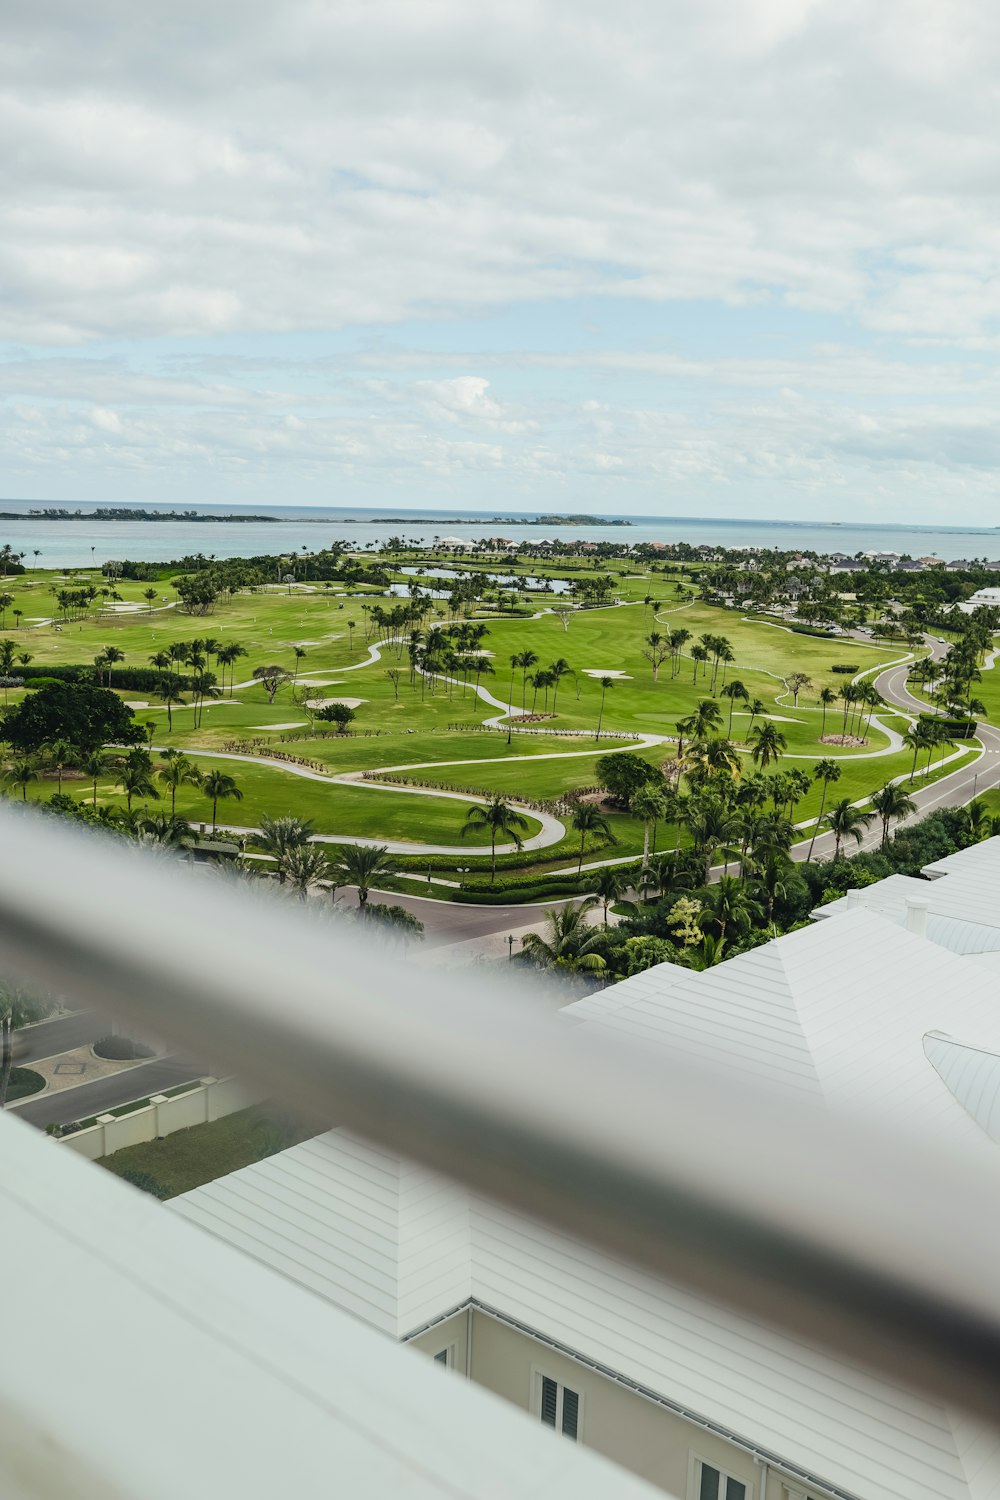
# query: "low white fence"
206,1100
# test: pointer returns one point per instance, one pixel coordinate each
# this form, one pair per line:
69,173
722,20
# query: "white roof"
983,859
962,906
854,1015
264,1389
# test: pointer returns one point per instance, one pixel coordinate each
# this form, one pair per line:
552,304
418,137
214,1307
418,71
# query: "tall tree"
768,742
827,772
219,787
498,817
892,803
589,819
606,682
362,865
177,771
846,822
649,802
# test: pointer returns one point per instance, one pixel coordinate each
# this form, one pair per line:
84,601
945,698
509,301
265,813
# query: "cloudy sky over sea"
730,258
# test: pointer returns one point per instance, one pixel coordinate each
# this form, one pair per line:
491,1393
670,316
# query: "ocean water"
82,542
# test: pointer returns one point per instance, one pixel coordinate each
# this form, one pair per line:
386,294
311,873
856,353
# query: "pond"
547,585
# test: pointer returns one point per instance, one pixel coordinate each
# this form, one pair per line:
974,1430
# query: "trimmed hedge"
845,670
826,635
958,729
130,679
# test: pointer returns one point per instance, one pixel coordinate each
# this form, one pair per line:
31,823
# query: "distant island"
121,513
580,520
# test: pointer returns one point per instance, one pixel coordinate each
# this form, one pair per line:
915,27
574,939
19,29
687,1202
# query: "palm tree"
499,817
135,777
846,821
559,669
60,754
892,804
279,837
94,766
917,738
361,865
305,867
733,690
773,872
609,887
649,803
300,655
712,826
728,904
569,942
978,821
175,773
589,819
169,693
606,682
769,744
827,698
525,660
756,709
219,787
111,655
826,771
706,717
22,773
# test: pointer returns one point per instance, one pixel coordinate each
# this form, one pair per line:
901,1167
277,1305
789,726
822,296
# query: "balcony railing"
880,1247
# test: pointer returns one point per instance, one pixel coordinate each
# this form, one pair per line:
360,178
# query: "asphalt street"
64,1105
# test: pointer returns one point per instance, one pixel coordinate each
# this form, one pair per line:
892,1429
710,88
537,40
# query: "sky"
726,257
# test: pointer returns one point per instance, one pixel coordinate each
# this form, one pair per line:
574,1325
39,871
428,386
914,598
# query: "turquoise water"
78,543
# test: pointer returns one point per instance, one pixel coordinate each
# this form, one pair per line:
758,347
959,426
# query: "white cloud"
252,166
244,168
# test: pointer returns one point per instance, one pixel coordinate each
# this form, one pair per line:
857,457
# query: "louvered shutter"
570,1413
550,1392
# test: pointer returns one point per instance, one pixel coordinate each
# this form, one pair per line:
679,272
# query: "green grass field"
406,721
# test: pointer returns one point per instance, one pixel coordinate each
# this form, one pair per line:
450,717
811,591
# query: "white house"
853,1015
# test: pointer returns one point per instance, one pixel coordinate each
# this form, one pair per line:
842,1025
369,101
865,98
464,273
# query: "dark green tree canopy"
85,715
623,773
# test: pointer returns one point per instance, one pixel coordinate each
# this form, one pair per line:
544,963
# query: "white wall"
208,1100
642,1436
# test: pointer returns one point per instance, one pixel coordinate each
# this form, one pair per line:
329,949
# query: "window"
559,1407
445,1357
713,1484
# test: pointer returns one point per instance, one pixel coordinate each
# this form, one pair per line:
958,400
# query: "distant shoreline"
134,513
126,513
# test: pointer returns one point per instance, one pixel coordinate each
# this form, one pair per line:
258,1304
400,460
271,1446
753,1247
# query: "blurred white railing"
879,1247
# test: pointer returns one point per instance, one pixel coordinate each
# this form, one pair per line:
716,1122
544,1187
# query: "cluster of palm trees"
135,773
302,865
543,679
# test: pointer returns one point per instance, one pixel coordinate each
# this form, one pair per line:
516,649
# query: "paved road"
453,922
107,1093
63,1034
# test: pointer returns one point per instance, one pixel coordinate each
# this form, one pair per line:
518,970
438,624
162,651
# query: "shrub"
812,630
22,1082
846,670
121,1049
147,1183
40,682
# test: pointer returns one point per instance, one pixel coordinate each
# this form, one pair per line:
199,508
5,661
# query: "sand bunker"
605,672
292,724
326,702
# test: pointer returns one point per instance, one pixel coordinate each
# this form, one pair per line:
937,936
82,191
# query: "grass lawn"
188,1158
355,811
414,719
